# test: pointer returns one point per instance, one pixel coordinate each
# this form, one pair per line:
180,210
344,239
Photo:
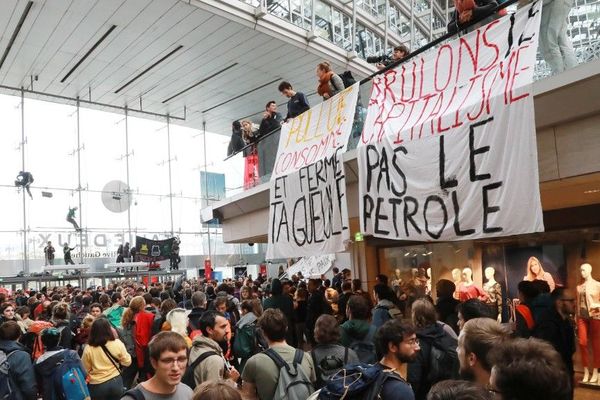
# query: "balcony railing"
584,32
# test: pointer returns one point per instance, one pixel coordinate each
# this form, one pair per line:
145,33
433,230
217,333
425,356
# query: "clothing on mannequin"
493,290
468,289
588,323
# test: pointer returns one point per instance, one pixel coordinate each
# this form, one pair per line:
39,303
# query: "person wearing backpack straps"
385,309
437,360
330,83
103,358
357,333
207,361
281,371
60,373
168,356
18,381
328,356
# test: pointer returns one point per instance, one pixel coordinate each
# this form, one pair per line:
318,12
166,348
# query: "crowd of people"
281,338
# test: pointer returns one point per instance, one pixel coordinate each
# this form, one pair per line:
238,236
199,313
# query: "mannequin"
428,284
535,270
588,323
468,289
457,279
494,291
397,282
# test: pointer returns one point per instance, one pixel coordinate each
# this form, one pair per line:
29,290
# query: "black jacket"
484,7
21,372
419,368
236,143
560,333
269,124
195,316
446,311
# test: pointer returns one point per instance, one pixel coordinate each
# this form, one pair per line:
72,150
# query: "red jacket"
142,334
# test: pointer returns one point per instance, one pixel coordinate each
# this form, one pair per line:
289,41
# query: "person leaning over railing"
297,103
466,11
330,83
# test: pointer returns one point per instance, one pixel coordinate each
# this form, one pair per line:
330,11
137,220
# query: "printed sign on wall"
448,151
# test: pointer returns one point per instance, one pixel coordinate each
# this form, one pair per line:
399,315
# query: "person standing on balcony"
330,83
297,103
555,45
269,141
250,156
466,11
399,53
236,143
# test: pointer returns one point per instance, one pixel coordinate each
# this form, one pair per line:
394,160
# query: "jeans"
109,390
555,45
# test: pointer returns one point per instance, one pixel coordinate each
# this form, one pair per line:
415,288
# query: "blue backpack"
357,382
64,377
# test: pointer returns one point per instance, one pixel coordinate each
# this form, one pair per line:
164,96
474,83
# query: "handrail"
394,64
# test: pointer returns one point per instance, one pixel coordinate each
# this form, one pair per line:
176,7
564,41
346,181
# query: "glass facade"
413,23
127,175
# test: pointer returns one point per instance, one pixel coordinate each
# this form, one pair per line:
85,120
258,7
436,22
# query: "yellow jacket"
99,366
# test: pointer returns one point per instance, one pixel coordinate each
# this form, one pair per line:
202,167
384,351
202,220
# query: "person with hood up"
357,333
285,303
212,365
429,334
21,372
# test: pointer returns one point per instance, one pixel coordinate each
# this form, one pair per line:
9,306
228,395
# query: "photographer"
399,53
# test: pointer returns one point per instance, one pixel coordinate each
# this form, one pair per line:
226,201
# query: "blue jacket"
21,370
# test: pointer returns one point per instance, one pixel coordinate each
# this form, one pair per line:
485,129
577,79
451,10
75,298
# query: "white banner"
308,211
317,133
448,150
312,267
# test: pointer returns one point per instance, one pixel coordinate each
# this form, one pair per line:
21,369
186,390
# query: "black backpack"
347,78
443,361
188,376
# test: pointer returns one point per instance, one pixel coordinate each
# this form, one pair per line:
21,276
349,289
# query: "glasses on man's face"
412,342
181,361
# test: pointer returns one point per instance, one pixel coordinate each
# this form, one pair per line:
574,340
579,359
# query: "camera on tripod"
384,59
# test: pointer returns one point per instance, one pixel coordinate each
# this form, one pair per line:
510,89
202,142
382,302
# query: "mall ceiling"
161,56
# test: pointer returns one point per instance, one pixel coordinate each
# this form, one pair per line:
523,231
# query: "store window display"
467,289
535,270
457,279
588,323
493,290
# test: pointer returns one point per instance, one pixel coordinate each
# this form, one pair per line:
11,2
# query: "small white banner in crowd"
312,267
448,150
308,212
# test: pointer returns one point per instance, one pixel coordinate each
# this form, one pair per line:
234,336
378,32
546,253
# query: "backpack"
32,340
63,377
134,393
443,362
328,366
292,384
347,78
6,384
188,376
126,336
248,341
365,347
357,382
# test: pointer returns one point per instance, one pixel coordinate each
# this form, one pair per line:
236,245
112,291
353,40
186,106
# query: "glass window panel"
103,140
10,109
51,134
148,164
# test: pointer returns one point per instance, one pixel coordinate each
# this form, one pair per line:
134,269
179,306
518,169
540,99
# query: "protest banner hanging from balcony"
448,151
308,214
